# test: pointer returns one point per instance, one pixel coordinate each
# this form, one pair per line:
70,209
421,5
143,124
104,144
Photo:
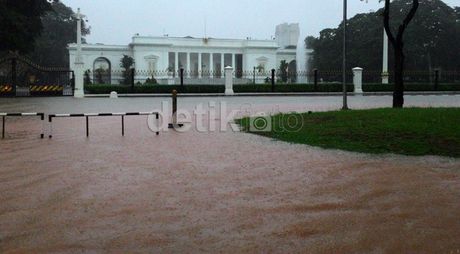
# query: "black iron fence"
21,77
134,77
138,81
411,76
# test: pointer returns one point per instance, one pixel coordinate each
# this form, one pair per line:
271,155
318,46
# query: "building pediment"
151,57
262,59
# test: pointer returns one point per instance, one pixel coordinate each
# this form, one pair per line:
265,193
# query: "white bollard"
358,80
229,81
113,95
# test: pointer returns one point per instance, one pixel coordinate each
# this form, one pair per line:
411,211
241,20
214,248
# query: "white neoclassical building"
201,58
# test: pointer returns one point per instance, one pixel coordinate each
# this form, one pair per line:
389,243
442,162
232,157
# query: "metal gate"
21,77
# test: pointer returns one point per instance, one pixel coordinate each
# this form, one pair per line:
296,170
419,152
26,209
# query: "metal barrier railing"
88,115
4,115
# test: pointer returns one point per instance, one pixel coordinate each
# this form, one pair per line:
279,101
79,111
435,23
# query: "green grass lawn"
410,131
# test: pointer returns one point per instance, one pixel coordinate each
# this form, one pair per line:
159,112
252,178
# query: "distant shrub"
151,81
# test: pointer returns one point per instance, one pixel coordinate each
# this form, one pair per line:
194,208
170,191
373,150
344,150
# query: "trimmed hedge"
291,88
106,89
411,87
138,89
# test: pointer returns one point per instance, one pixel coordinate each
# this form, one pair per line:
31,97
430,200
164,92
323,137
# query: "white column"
229,81
234,61
385,74
358,79
176,64
200,65
188,65
222,64
211,65
79,91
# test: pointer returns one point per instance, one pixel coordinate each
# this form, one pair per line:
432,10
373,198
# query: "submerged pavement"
225,192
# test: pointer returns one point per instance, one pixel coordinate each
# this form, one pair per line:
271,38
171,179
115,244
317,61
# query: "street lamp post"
78,65
385,74
344,70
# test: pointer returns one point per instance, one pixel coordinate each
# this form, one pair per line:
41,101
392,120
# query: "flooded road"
225,192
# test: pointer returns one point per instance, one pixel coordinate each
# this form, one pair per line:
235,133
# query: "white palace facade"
201,58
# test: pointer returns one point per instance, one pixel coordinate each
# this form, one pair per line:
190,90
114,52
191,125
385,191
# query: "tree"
430,41
151,81
433,33
260,68
87,77
21,24
283,71
58,31
126,63
101,75
398,46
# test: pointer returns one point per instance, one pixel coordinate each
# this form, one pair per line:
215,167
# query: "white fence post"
171,78
358,79
229,80
79,91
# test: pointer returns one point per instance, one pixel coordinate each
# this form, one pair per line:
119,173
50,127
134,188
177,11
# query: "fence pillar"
79,91
171,79
229,80
358,79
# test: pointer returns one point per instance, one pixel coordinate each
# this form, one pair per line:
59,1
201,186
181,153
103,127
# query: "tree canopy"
431,40
126,62
21,24
59,29
41,29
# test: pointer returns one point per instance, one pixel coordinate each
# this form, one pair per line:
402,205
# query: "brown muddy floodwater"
219,192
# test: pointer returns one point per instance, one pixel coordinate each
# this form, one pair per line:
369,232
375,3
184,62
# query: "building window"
102,71
152,61
261,64
152,66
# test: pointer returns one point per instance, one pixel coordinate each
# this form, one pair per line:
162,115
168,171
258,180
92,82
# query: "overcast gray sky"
115,21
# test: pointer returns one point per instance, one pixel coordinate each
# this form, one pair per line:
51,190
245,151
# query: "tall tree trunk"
398,93
398,46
